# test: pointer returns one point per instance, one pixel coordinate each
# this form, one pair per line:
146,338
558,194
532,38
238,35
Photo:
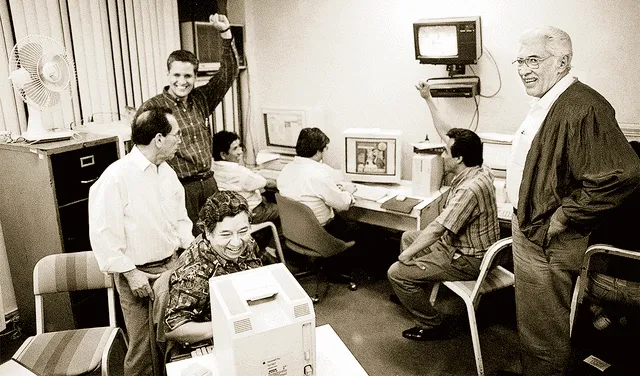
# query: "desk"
366,211
14,368
332,357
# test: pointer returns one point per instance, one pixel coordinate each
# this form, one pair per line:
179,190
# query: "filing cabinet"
44,194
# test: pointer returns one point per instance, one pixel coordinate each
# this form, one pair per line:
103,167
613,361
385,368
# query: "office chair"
304,235
274,233
583,279
92,351
492,277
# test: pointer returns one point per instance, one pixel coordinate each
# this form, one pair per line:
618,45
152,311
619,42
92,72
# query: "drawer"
76,170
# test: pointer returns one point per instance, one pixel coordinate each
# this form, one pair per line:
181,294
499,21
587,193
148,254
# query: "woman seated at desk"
224,247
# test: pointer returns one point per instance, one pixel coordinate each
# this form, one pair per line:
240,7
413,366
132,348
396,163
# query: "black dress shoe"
427,334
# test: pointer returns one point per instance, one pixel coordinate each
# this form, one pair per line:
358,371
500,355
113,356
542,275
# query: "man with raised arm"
192,107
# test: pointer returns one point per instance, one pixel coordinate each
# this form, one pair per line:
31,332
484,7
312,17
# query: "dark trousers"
544,283
196,194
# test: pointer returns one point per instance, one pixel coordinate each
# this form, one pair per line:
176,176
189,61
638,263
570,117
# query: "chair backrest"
65,272
300,226
255,227
492,275
601,252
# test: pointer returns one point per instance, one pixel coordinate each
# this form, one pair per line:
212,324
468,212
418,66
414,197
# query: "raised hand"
219,21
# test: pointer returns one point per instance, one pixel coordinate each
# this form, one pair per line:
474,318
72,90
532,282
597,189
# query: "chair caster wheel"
353,286
315,299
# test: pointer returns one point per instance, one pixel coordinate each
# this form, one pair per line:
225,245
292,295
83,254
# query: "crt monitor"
448,41
372,155
263,323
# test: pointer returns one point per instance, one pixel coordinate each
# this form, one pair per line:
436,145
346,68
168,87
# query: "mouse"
401,197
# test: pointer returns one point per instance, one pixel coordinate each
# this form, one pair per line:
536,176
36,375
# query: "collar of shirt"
214,256
549,98
223,164
175,100
463,174
305,161
140,160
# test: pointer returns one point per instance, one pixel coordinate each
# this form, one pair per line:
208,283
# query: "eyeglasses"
531,61
177,135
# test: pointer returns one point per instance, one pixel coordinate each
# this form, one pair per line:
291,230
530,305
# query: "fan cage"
51,70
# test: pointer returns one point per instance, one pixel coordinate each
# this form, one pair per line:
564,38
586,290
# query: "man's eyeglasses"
177,135
531,61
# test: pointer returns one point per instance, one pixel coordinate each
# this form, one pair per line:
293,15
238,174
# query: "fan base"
47,136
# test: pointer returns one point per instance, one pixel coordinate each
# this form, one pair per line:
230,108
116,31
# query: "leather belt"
156,263
197,177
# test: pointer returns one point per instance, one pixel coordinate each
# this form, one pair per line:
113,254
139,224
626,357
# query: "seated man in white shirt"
306,179
231,175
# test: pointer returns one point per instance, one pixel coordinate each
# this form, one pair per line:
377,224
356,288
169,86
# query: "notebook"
401,206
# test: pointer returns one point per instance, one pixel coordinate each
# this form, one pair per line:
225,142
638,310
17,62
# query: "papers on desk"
269,174
264,157
372,193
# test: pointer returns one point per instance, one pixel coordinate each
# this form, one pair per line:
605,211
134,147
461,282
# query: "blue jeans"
604,289
544,279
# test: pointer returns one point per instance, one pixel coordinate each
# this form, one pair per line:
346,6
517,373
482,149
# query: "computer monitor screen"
282,128
372,155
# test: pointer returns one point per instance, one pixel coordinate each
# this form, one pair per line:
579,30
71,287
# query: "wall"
352,64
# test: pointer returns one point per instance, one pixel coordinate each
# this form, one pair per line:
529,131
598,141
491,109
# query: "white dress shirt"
525,134
137,214
315,185
231,176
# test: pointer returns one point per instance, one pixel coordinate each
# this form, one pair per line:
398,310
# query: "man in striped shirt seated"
451,247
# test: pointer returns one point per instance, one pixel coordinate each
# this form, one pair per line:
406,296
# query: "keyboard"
505,210
269,174
371,193
204,350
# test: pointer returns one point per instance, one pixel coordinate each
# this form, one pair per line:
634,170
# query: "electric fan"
41,72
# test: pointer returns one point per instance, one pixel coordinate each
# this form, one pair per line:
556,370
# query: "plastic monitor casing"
462,46
373,155
263,323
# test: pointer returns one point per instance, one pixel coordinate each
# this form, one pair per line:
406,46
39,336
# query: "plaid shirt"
470,214
189,284
194,153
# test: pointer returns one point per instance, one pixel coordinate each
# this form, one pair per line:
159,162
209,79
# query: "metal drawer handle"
88,181
89,160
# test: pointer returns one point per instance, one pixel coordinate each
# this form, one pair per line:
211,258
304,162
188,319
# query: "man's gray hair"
557,42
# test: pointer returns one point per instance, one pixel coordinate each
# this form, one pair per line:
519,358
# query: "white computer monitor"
263,323
372,155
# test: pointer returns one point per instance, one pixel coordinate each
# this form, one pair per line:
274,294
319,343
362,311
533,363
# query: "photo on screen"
372,156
